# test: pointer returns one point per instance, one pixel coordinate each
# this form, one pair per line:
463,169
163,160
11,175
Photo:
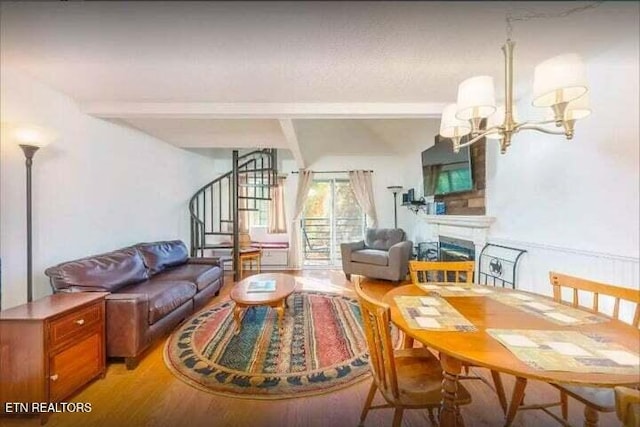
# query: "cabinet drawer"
75,366
74,323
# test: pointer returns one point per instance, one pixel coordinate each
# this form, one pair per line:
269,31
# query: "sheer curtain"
363,190
277,216
305,179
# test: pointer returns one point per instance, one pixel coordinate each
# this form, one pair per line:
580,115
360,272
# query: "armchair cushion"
383,238
371,256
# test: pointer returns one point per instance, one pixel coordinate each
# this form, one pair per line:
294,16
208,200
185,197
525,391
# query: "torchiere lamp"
395,189
31,139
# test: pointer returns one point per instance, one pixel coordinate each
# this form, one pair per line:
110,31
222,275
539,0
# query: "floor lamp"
30,139
395,189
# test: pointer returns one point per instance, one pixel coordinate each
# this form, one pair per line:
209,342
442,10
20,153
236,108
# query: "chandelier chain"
527,16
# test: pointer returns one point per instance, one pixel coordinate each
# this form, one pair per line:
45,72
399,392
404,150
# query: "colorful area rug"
322,348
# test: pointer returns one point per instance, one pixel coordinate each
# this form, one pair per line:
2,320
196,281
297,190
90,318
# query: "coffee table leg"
237,310
280,311
450,412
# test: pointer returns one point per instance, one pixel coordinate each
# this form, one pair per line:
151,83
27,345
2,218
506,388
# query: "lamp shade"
450,125
497,119
476,98
559,79
578,108
27,134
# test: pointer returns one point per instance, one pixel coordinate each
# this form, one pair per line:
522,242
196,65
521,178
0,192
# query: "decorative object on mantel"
30,138
559,83
395,189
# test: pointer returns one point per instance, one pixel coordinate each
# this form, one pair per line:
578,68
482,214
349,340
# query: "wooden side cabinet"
49,348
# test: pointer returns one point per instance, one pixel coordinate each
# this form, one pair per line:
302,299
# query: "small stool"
249,254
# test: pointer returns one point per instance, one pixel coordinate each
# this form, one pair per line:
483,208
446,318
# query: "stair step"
243,171
218,233
254,198
248,210
257,185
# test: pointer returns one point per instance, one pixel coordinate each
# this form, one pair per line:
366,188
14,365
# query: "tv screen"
444,171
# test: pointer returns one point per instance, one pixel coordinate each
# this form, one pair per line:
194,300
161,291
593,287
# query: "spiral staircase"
215,208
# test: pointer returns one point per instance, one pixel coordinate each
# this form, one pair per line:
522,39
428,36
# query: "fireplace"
464,236
452,249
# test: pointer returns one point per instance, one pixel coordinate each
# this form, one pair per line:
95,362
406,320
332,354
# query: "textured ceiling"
293,52
290,52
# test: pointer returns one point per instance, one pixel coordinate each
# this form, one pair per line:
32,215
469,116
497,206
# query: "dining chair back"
376,318
587,295
628,406
441,271
407,378
596,290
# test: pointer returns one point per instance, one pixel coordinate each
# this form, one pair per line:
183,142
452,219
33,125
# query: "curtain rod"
331,171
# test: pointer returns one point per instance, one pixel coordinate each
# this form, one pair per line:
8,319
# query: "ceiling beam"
290,136
209,110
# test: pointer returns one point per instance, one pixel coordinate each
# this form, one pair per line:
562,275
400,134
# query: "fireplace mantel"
466,221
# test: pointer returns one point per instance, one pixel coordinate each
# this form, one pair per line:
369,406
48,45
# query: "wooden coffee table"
285,285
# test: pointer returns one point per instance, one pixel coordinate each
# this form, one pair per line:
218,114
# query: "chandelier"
559,85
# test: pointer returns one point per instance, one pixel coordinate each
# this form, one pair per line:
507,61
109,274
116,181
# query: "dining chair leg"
397,417
516,399
497,382
564,405
432,418
367,403
590,417
407,342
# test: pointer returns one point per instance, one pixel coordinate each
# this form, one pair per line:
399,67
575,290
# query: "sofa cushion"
106,272
371,256
160,255
200,274
164,296
383,238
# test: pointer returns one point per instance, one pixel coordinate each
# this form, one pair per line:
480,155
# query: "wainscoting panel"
534,267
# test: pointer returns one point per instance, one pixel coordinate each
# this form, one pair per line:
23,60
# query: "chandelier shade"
476,98
559,80
578,109
451,126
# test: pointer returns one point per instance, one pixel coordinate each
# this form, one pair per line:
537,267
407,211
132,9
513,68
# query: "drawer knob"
80,322
54,377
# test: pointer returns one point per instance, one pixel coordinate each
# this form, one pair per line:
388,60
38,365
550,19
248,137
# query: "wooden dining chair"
628,406
453,272
595,399
406,378
441,271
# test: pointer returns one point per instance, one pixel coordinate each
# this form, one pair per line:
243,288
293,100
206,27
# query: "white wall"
575,204
99,187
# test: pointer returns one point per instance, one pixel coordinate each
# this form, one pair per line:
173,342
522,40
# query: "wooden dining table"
479,348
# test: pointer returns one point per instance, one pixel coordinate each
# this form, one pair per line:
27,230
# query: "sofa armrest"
399,256
127,324
205,260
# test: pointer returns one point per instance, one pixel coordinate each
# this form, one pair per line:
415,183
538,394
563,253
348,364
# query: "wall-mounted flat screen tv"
446,172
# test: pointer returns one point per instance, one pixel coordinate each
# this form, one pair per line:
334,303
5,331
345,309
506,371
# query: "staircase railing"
214,208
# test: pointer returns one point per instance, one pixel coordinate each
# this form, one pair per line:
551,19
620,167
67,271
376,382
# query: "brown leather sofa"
154,286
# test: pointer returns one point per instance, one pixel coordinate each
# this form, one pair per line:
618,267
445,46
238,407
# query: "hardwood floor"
151,396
